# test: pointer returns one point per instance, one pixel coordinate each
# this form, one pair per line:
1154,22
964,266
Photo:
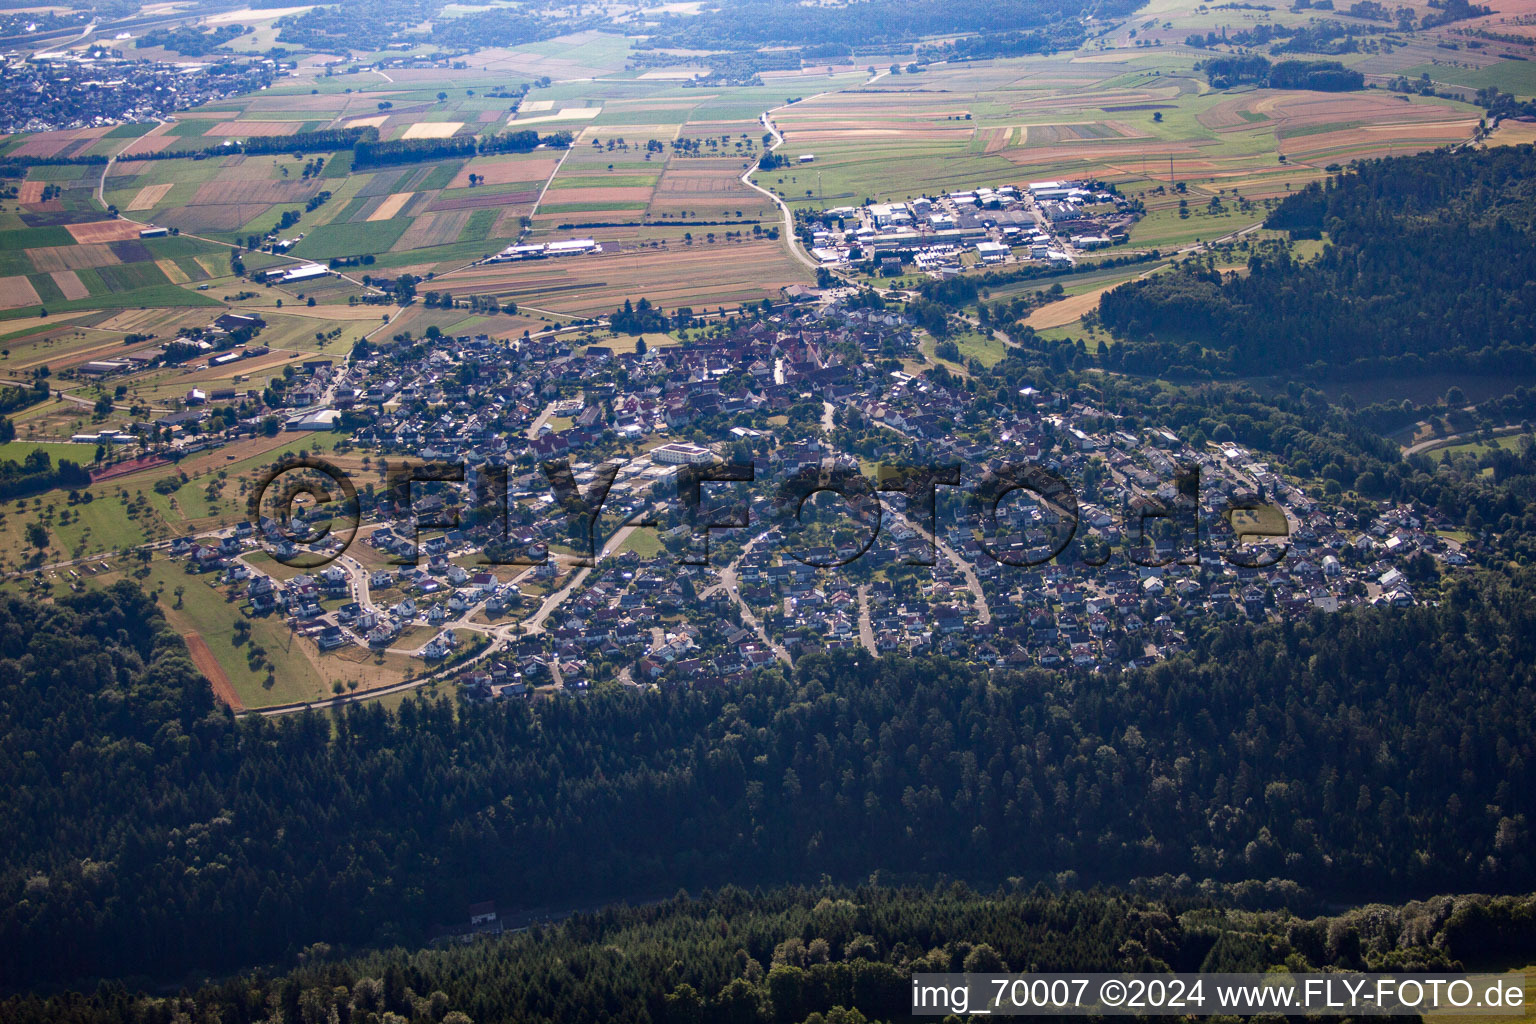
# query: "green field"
17,451
1512,76
332,240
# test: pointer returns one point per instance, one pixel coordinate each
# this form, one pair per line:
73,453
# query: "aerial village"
512,605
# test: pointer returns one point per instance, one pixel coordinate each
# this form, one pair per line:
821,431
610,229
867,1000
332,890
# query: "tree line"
373,153
822,954
1316,75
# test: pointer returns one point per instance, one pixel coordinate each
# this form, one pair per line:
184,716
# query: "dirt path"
1463,437
209,666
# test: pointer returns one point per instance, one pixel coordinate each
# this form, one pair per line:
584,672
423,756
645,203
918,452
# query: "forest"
1318,75
753,23
816,955
1430,264
1310,756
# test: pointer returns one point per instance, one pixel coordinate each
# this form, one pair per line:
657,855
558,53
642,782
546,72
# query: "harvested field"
811,138
697,276
104,231
995,140
172,272
565,114
70,285
31,191
17,291
71,257
391,206
504,170
685,180
152,141
149,196
208,665
620,194
367,122
432,129
1513,133
1070,309
1235,113
554,214
253,129
47,144
1377,140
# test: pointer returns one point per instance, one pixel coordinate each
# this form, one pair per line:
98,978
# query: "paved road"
866,629
766,120
732,590
540,420
972,581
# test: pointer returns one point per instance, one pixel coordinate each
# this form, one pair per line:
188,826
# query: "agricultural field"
1138,120
654,173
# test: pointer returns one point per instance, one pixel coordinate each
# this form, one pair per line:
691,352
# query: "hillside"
1429,264
168,837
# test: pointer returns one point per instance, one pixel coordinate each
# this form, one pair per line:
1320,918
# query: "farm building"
307,272
320,419
103,367
572,247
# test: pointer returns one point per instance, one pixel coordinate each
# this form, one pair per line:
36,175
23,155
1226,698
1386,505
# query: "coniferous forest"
816,955
1430,264
1365,755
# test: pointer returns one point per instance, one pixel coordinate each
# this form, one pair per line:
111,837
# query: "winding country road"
766,120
